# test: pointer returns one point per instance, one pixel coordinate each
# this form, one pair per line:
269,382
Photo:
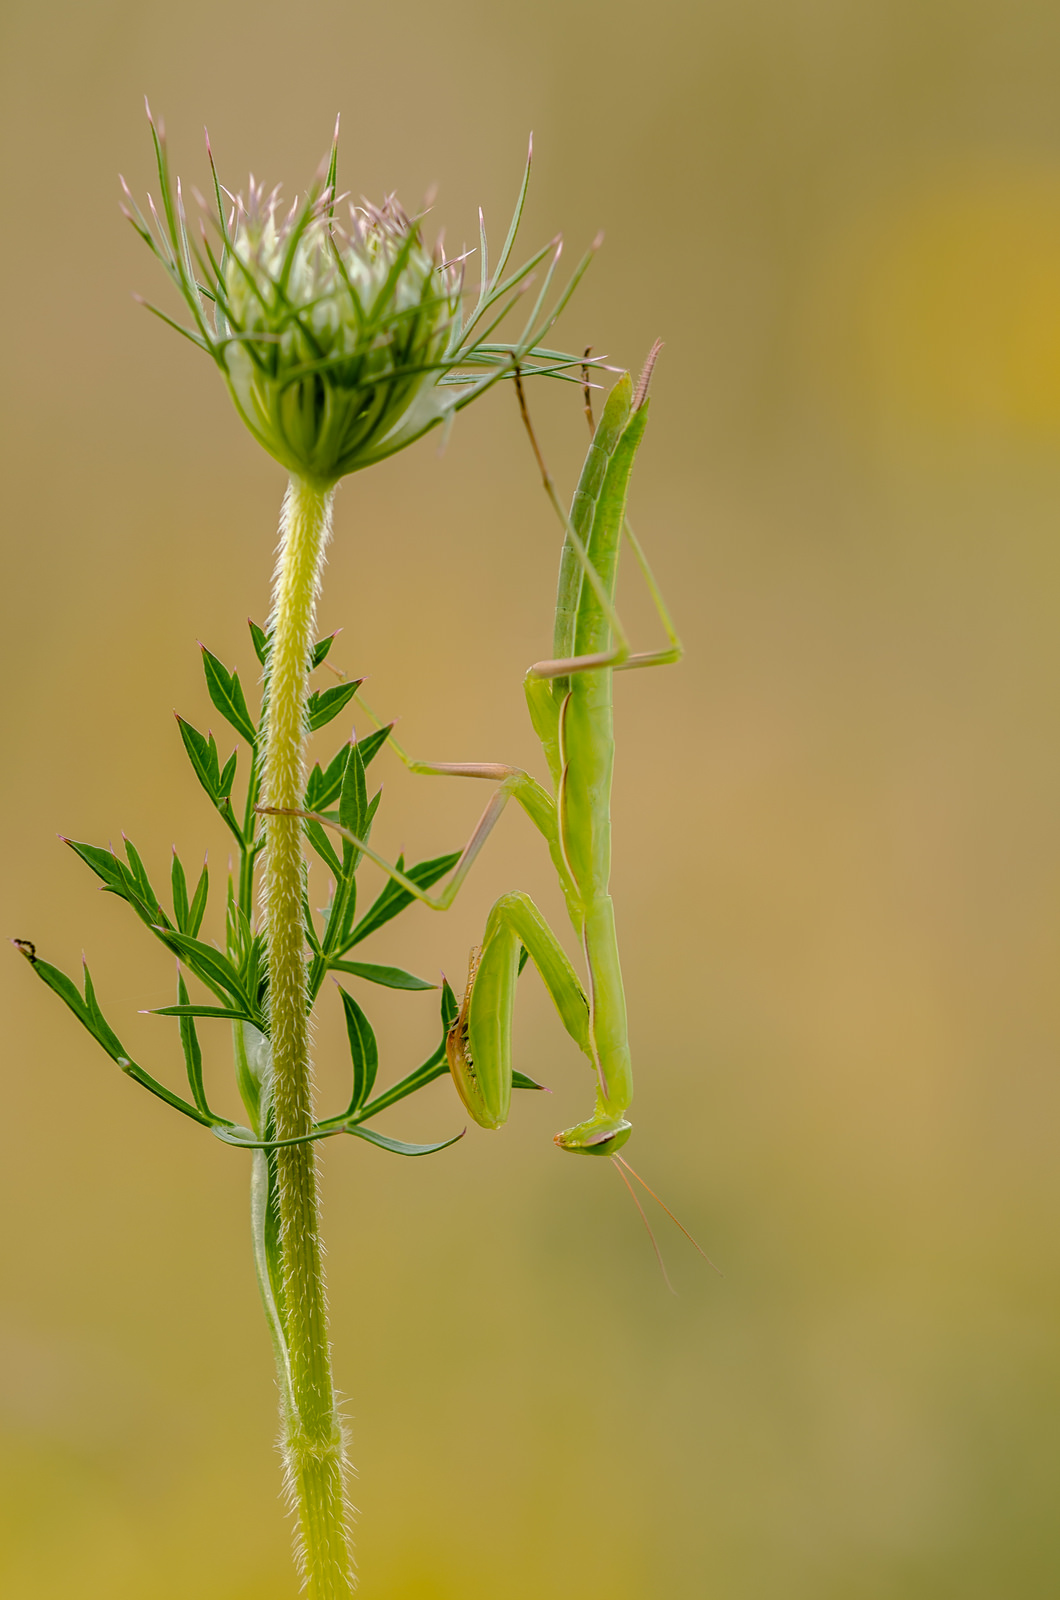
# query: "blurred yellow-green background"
837,869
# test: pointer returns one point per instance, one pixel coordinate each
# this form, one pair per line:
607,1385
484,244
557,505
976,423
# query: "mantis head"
603,1134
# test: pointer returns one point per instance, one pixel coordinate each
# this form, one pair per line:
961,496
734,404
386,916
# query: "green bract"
342,339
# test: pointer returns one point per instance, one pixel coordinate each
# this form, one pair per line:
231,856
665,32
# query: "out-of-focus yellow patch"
951,302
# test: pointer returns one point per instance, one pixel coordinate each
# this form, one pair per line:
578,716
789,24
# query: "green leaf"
117,878
435,1066
321,648
372,743
202,753
343,867
398,1147
521,1081
389,977
104,864
225,1013
243,948
450,1009
324,787
98,1023
325,704
63,986
189,1042
364,1052
373,807
322,845
211,966
89,1015
393,898
143,883
198,903
226,692
252,973
261,641
353,797
181,909
225,781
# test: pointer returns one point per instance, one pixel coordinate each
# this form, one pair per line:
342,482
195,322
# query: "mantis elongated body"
570,704
569,698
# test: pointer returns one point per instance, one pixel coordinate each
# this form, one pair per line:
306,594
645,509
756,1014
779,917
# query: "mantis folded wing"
570,703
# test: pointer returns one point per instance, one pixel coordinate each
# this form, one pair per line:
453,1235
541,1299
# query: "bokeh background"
837,870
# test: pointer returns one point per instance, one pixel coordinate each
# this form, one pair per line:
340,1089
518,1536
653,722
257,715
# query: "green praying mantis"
569,698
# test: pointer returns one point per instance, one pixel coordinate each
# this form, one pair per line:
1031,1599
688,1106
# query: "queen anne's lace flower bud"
342,338
342,330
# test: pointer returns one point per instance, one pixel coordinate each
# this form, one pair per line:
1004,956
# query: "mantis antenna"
654,1242
622,1162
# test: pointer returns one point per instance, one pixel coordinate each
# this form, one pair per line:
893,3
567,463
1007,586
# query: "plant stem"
312,1430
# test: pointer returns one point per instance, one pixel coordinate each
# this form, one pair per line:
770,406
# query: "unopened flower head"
341,335
341,329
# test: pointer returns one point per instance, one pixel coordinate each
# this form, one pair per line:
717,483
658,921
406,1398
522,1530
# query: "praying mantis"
569,698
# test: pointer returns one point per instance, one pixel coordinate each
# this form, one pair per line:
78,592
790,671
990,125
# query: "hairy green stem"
312,1430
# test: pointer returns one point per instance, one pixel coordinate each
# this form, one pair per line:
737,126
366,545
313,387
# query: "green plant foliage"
235,979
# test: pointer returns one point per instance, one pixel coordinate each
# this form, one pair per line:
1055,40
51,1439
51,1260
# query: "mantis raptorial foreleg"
569,700
479,1046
